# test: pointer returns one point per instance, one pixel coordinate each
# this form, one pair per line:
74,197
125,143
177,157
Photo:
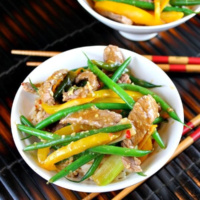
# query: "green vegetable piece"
33,86
107,66
111,84
117,74
92,169
65,84
159,120
39,133
184,2
73,166
109,170
77,136
26,122
143,83
120,151
158,139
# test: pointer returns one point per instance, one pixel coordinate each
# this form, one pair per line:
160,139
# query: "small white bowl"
131,32
141,68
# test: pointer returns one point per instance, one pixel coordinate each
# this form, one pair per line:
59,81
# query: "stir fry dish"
98,122
144,12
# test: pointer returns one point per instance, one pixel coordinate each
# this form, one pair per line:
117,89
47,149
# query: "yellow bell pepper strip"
157,9
77,147
73,128
42,155
163,4
109,93
171,16
108,100
53,109
137,15
147,146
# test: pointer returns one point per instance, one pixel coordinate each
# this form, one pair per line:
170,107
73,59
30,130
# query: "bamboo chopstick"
173,59
194,122
164,67
154,58
181,147
35,53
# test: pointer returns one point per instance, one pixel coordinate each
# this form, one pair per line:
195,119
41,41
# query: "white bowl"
131,32
142,68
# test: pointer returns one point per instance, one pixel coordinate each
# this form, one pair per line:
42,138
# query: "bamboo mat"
62,25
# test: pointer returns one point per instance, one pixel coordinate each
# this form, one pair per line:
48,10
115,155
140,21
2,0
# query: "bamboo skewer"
181,147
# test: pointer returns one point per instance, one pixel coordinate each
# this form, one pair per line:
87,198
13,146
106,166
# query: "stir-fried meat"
93,117
113,54
132,164
124,79
37,114
142,116
47,88
119,18
82,92
28,88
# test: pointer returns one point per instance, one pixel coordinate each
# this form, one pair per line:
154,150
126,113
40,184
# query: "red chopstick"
174,59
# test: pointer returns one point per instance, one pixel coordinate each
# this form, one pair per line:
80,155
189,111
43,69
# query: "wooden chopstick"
35,53
173,59
164,67
181,147
194,122
154,58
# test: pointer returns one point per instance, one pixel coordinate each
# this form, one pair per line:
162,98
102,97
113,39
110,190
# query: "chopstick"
35,53
164,67
166,63
154,58
173,59
194,122
181,147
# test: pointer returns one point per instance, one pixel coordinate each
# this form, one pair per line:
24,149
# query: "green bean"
184,2
73,166
117,74
107,66
120,151
63,113
39,133
77,136
158,99
111,84
141,174
92,169
159,120
150,6
143,83
66,83
158,139
25,121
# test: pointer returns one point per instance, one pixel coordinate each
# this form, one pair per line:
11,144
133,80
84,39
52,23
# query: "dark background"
62,25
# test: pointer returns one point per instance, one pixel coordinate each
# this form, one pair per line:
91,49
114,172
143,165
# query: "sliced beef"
93,117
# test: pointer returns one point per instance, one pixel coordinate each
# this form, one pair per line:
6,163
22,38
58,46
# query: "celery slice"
109,170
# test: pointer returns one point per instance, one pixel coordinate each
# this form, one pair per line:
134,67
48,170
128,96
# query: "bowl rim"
87,187
133,27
